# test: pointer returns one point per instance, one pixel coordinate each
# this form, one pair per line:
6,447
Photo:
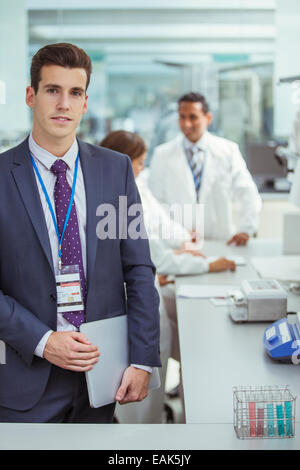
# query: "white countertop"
117,437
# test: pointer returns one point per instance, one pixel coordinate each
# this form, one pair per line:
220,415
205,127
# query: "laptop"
110,335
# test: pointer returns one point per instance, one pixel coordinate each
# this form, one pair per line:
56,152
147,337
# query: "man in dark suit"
50,188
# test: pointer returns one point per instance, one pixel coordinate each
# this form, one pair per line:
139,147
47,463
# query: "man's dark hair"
195,98
63,54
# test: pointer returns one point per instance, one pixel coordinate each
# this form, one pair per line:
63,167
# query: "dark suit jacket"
27,281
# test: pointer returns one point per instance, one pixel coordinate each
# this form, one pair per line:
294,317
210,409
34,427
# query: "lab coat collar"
201,144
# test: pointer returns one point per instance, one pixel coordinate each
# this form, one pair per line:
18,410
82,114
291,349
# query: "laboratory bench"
218,354
114,437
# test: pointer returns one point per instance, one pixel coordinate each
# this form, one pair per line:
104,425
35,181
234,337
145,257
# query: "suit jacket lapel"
93,182
23,173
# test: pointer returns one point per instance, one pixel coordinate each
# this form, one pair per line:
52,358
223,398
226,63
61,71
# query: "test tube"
252,415
279,415
260,415
270,415
244,413
288,415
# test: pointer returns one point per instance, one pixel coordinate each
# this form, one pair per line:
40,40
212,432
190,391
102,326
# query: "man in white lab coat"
198,167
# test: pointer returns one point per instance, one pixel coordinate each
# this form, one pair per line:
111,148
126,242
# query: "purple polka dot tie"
71,246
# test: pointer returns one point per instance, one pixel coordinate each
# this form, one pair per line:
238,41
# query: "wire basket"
264,412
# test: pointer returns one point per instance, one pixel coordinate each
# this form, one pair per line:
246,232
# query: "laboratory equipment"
279,415
264,412
291,230
257,300
260,416
266,167
252,415
288,414
270,415
282,340
291,221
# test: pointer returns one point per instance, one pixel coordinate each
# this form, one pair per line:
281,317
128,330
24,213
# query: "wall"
14,115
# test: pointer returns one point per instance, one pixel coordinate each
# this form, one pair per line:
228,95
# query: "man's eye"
52,90
77,93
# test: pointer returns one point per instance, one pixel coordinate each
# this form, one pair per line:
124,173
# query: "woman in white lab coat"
173,255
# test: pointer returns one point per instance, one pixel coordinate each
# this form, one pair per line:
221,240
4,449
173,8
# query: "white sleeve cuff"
39,350
146,368
205,265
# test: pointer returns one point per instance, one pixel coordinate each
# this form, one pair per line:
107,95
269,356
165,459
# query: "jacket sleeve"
19,328
139,276
246,193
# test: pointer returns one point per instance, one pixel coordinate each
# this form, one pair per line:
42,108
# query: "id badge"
68,288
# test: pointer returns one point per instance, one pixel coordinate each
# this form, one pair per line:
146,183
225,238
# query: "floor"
175,404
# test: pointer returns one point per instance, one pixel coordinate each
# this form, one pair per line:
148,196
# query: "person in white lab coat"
198,167
173,255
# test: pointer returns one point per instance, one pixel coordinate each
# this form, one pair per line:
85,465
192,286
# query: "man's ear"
209,118
85,104
30,96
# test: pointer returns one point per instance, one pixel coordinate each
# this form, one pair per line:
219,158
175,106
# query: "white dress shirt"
44,160
189,147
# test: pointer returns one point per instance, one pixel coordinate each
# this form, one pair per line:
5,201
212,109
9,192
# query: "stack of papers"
239,260
283,268
207,291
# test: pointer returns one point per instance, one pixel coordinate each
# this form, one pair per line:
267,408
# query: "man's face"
193,121
59,102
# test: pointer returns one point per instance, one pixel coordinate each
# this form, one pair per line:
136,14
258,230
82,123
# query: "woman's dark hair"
195,98
63,54
125,142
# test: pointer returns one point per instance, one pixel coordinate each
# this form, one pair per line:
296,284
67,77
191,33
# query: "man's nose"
187,123
63,101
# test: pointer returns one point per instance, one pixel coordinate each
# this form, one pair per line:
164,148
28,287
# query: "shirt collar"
47,159
201,144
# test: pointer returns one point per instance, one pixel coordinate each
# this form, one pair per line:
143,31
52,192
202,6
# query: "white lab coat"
225,179
158,222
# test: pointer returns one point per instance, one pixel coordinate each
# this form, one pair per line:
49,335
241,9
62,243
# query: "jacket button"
53,297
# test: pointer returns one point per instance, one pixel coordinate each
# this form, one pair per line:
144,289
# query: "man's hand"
134,386
221,264
71,350
240,239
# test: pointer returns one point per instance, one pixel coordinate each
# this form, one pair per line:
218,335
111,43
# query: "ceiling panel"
139,33
152,4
